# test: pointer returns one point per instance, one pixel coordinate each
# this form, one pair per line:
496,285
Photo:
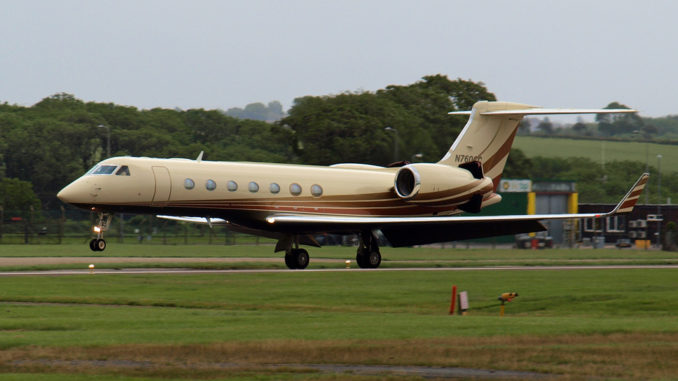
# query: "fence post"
62,220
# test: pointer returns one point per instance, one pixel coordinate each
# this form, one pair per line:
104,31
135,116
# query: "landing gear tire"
368,256
97,244
368,260
374,259
297,259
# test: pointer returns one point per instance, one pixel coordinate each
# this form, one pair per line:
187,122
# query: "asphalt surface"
141,271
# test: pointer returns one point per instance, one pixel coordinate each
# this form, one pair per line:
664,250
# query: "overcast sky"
222,54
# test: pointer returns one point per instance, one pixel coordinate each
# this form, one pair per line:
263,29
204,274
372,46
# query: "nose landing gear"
98,243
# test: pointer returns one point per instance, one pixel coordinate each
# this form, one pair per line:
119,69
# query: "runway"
180,271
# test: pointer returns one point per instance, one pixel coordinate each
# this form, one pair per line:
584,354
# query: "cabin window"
104,170
295,189
253,187
189,184
123,171
232,186
316,190
275,188
210,185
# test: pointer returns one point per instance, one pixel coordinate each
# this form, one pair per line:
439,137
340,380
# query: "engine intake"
429,183
407,182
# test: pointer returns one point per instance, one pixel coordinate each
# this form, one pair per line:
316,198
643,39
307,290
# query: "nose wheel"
98,243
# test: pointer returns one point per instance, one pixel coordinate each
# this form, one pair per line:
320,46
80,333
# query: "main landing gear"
368,256
98,243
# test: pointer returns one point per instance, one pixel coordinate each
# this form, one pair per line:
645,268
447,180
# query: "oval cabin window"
253,187
210,185
275,188
232,186
189,184
316,190
295,189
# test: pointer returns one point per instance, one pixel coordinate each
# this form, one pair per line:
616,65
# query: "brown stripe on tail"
629,201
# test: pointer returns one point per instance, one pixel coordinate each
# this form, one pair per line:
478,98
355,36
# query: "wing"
406,231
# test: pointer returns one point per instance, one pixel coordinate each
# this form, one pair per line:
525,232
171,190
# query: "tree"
524,126
518,166
17,195
350,126
545,126
616,124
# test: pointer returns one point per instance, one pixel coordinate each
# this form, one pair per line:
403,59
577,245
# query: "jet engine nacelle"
432,183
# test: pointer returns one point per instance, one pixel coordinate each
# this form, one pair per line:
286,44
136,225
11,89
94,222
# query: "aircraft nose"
73,193
67,194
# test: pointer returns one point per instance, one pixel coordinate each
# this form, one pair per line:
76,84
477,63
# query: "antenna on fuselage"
199,158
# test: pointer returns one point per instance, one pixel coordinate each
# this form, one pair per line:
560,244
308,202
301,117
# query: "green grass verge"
592,149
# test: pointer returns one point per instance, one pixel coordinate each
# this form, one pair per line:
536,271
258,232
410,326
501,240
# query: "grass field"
612,324
593,149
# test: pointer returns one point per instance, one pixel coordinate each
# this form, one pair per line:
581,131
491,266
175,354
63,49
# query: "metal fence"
68,225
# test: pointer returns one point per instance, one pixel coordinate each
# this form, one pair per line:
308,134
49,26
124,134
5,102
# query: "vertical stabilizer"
486,138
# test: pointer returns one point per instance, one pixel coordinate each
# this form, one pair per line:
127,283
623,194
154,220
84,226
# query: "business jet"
409,203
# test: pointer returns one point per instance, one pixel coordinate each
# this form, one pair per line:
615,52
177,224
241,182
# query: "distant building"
640,226
523,196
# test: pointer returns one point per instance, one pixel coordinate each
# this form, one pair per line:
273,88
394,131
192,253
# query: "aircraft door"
163,186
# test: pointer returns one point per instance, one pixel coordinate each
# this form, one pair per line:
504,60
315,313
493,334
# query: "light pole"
659,199
647,161
108,139
395,142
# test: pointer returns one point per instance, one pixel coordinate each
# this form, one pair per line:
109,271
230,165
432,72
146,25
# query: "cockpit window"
123,171
104,170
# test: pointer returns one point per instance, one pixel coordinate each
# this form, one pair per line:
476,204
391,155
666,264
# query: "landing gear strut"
98,243
368,256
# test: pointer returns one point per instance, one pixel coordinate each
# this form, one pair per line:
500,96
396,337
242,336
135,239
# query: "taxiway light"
91,268
348,263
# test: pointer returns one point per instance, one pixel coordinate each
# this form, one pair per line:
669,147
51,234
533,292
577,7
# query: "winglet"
629,201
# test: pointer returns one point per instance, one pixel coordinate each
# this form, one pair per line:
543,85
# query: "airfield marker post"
454,299
463,303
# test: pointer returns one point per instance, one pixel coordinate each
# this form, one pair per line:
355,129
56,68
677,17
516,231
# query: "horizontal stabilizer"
548,111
